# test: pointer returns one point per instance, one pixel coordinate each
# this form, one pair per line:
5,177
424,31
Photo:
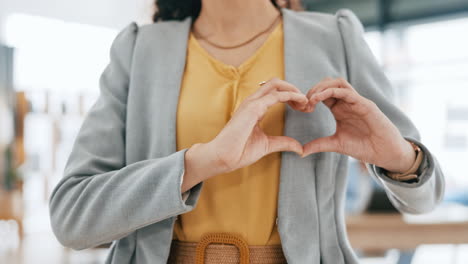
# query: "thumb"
323,144
283,143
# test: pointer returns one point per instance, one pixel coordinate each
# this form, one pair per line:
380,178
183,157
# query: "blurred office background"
53,52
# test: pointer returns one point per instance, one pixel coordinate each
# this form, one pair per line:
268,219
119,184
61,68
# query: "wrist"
405,161
201,164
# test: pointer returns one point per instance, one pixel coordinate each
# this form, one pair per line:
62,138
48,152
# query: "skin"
229,22
362,130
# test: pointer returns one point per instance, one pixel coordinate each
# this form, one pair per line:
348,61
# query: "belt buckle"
226,238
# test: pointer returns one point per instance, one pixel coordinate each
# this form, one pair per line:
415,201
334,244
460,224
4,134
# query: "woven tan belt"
224,248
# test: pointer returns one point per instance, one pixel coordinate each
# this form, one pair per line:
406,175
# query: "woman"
236,118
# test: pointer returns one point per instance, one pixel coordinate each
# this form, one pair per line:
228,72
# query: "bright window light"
55,55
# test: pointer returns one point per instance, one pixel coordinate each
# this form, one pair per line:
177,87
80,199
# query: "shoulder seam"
339,14
135,28
345,13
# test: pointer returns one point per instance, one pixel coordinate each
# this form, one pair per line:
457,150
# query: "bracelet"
411,172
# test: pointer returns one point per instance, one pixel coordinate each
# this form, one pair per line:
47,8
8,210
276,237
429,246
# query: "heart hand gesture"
242,142
362,130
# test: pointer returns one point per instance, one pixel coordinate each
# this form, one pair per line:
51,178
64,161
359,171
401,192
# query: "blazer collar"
296,63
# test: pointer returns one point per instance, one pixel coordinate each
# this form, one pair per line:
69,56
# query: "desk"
379,232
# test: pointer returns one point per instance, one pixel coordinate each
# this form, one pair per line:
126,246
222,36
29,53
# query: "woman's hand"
362,130
242,142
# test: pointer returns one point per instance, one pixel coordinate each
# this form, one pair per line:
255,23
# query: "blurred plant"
12,176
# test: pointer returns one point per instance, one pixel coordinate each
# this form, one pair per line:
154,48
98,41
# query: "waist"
224,248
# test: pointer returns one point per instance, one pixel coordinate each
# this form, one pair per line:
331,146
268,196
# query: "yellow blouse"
243,201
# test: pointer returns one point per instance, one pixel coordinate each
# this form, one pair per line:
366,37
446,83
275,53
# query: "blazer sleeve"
101,198
367,77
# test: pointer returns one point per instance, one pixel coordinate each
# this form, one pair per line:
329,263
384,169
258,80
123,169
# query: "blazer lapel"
165,49
176,52
298,212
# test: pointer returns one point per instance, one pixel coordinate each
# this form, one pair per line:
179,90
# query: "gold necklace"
242,43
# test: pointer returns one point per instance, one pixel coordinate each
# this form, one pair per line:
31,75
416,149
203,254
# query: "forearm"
200,164
417,196
89,208
364,72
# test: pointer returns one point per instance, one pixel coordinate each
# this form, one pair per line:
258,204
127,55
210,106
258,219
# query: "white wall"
107,13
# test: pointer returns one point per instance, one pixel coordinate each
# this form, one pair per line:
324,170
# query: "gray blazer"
122,180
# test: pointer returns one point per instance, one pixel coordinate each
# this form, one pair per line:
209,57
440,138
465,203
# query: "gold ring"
262,83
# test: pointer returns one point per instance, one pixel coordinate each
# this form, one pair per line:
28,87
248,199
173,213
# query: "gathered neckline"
228,68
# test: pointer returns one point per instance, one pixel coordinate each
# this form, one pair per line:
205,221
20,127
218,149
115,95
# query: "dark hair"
181,9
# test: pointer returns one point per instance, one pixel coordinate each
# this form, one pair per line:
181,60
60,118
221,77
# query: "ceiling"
381,13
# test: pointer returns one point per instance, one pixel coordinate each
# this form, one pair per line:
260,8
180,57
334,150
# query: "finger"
318,85
327,83
256,109
323,144
337,82
299,107
282,97
283,143
274,84
337,93
323,85
250,112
